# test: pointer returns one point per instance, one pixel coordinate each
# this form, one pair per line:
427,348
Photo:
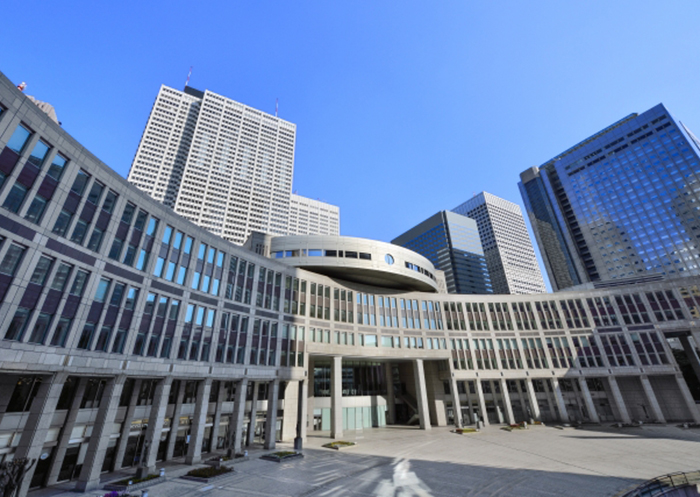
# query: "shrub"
208,472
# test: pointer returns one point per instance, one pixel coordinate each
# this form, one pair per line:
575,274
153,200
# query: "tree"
12,473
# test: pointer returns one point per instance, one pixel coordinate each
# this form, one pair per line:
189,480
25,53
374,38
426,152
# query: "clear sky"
403,108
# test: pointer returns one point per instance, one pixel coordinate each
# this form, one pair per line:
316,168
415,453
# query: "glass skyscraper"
623,203
451,242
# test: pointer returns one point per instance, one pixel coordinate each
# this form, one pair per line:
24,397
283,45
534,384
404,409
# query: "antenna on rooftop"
187,83
277,106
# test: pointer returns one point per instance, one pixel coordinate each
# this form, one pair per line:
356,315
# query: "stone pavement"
404,461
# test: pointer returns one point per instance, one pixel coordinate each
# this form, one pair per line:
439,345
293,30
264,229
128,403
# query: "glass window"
95,240
79,283
62,223
102,290
170,274
210,256
95,193
158,270
181,274
19,139
12,258
18,324
162,307
41,327
116,249
117,294
79,231
39,154
110,200
130,255
152,226
150,304
61,277
143,260
178,240
61,332
41,270
15,198
58,164
80,182
36,209
188,245
167,234
174,308
140,220
131,297
128,214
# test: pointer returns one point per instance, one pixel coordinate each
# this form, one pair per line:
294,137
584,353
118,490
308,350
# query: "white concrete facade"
508,249
312,217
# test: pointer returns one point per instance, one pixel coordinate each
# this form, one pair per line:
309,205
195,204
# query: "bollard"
162,472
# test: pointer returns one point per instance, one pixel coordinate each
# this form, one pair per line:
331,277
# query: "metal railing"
662,485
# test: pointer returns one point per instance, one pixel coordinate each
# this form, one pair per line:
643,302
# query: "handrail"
661,485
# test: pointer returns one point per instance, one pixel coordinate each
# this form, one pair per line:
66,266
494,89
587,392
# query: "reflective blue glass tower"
624,203
451,242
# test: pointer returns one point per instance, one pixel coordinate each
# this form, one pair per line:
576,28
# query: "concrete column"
89,478
302,409
532,397
482,403
155,422
457,405
651,397
175,422
559,399
506,401
337,397
692,354
66,430
235,426
390,400
126,426
588,399
421,394
688,397
38,423
217,417
194,450
619,401
271,420
253,414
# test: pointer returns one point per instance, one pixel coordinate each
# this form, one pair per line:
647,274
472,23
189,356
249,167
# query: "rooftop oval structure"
359,260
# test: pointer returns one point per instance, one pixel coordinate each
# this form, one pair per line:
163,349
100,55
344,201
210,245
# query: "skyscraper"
312,217
221,164
451,242
507,247
620,204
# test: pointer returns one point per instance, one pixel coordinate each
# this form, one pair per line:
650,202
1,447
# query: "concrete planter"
281,458
206,480
215,463
136,486
340,446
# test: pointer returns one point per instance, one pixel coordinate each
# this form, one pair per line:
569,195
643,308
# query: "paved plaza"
402,461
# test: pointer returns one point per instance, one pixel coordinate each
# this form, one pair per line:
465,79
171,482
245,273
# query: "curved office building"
130,336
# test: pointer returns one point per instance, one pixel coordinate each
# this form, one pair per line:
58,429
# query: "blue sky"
402,108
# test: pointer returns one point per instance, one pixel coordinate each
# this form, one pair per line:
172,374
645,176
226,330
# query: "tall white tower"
221,164
507,247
